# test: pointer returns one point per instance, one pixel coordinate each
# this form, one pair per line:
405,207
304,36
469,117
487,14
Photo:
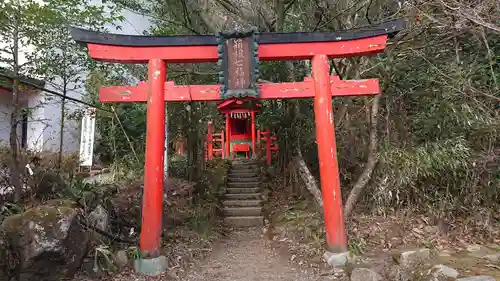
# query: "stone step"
241,179
242,203
243,196
243,167
241,222
244,162
243,184
243,175
239,171
242,211
243,190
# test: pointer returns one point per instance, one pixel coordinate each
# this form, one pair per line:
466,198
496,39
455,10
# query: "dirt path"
242,256
245,256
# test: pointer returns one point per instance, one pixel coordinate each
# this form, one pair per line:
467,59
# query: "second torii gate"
238,55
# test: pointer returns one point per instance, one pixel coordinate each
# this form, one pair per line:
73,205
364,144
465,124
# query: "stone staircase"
242,202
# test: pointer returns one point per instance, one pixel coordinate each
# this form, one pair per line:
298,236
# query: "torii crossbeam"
294,90
238,55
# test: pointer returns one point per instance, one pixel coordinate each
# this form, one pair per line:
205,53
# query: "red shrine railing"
219,151
270,143
214,143
215,146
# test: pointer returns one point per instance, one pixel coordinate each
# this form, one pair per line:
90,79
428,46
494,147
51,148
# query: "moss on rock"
47,240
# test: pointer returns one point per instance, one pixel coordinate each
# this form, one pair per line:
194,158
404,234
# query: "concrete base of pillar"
336,259
151,267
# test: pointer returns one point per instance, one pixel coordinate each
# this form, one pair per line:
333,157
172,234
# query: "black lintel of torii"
85,36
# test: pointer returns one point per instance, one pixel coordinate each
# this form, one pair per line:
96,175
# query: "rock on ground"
414,258
365,274
474,248
45,243
443,273
493,257
99,218
411,265
477,278
121,258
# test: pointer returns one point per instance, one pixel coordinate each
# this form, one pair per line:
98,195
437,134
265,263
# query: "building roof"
6,80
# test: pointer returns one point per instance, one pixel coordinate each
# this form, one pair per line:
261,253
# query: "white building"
41,129
27,97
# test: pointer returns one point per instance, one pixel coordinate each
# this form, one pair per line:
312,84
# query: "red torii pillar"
152,201
157,51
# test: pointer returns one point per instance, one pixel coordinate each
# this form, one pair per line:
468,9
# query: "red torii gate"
156,51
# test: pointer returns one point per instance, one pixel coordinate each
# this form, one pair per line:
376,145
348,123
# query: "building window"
24,128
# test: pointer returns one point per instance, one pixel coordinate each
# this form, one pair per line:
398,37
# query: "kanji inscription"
239,58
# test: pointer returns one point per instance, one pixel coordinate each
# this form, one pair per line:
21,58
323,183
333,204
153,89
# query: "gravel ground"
245,256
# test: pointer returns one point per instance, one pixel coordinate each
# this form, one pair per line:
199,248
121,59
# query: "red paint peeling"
150,238
190,54
325,136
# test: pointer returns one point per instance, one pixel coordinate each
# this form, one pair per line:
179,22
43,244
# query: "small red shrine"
241,137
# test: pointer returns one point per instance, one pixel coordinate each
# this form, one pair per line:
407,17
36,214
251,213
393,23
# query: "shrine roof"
238,104
86,36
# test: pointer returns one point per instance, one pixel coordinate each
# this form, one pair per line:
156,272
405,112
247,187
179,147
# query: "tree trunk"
365,176
61,129
189,144
305,174
63,112
307,177
165,153
15,170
